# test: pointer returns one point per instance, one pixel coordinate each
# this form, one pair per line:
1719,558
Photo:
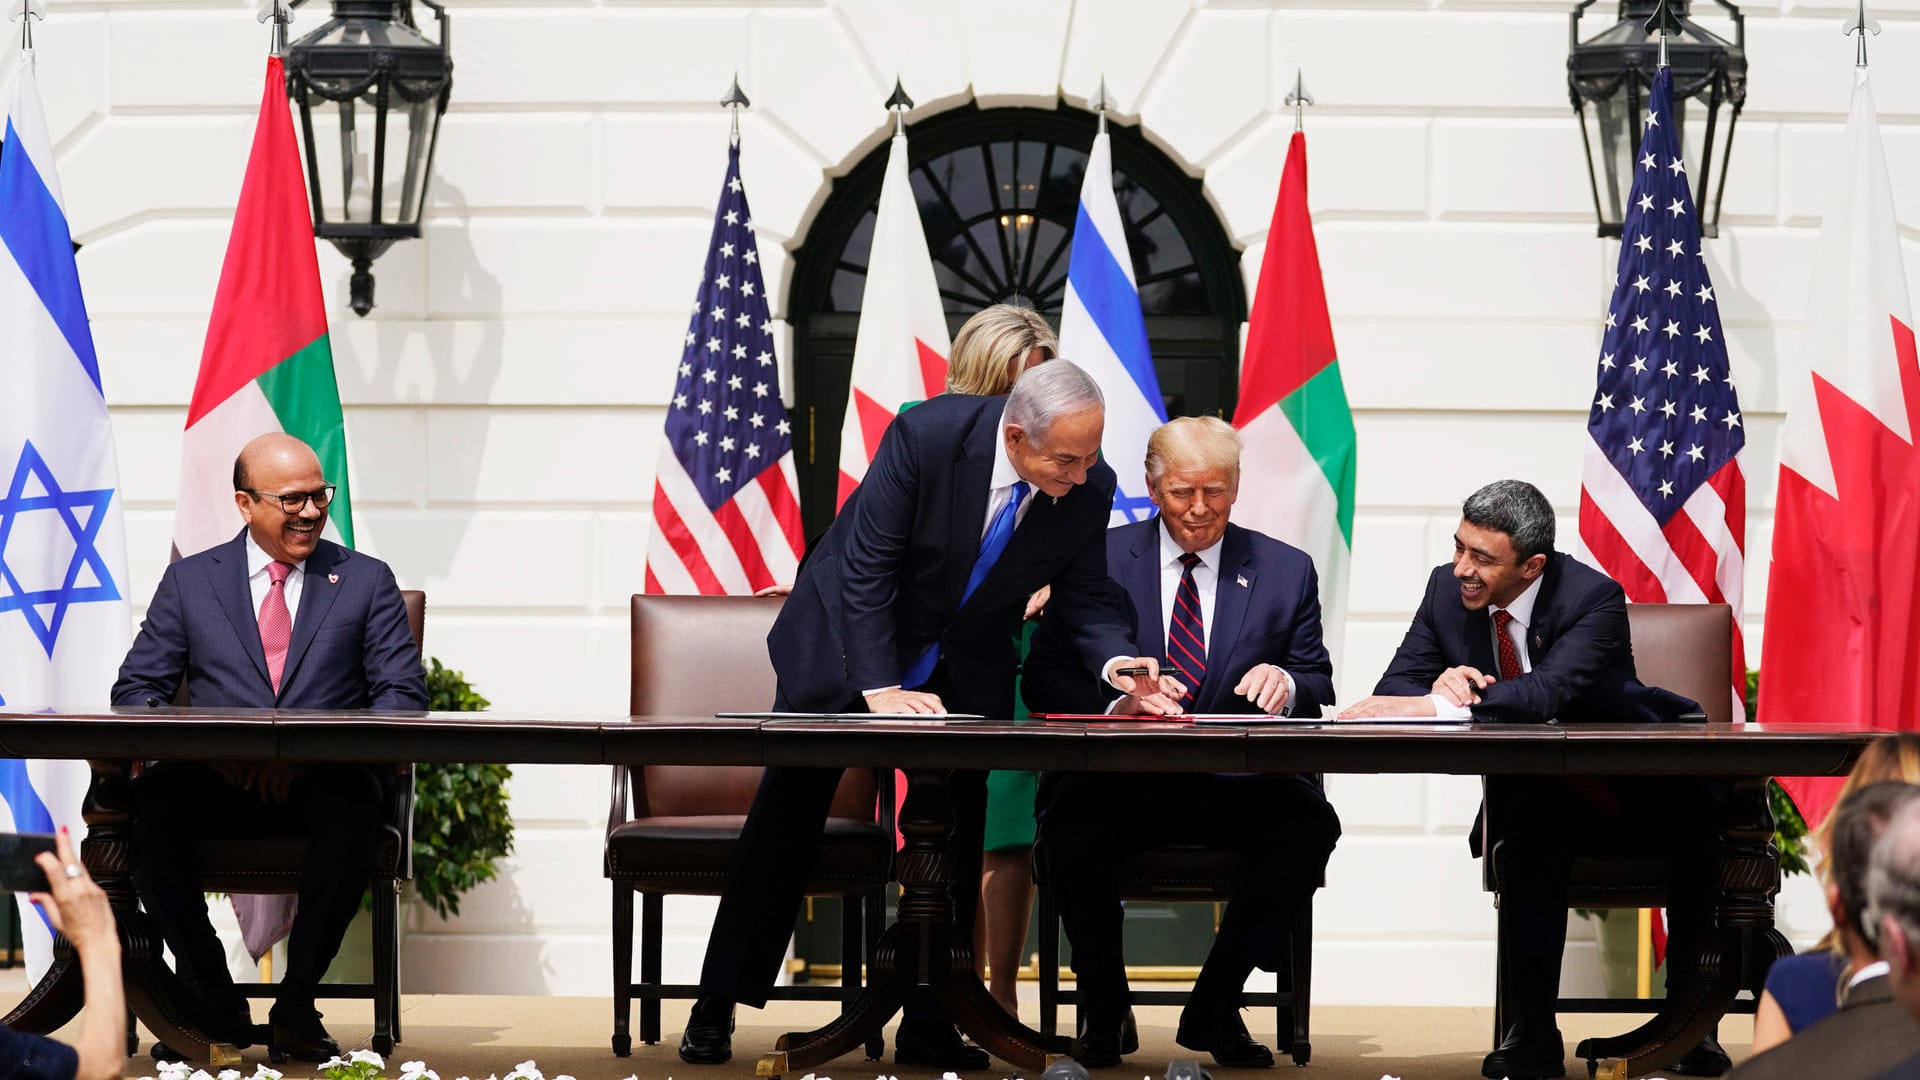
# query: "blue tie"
991,546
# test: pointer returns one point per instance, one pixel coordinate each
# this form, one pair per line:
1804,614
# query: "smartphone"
18,871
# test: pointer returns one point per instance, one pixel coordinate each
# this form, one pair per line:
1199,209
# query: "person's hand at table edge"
1266,686
896,700
1462,685
1380,705
1156,693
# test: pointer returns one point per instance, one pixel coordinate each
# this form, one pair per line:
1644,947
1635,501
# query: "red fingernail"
63,830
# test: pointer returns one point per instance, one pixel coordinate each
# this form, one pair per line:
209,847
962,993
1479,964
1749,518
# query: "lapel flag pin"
1241,579
333,579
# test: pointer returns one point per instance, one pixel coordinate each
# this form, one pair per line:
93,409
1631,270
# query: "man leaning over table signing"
905,605
1236,614
277,617
1513,631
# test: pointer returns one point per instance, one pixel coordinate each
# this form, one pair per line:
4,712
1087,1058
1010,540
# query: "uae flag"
1293,415
900,353
1842,631
267,365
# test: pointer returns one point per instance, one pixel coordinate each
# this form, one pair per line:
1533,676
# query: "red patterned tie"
1186,635
1509,654
276,623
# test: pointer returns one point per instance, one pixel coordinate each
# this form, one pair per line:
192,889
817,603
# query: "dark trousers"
766,880
1091,823
1540,824
176,803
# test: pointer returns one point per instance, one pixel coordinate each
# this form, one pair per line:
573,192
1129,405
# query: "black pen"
1140,672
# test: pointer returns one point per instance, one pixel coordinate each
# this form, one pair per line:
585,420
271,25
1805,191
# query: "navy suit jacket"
351,647
1273,618
1579,643
885,580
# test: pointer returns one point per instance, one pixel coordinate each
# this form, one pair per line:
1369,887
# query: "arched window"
998,190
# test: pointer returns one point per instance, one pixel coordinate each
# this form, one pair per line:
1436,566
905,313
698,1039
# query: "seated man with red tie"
276,618
1236,615
1513,631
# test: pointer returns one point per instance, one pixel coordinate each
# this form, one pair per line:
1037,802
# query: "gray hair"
1047,393
1516,508
1893,877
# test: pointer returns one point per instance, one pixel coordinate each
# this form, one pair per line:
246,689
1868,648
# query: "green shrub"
461,826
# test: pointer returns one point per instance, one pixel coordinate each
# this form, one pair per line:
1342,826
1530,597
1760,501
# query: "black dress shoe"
297,1035
1529,1052
708,1039
938,1045
1705,1059
1128,1040
1102,1043
1223,1035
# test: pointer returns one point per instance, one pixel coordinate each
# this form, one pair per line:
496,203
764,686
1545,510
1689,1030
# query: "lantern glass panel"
351,156
1612,144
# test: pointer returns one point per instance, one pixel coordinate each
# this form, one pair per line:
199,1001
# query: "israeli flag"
64,617
1101,330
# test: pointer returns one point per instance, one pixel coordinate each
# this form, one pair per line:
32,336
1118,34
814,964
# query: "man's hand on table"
897,700
1157,693
1381,705
1462,685
1266,686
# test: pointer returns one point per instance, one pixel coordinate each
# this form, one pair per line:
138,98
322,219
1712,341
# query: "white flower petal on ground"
261,1072
229,1074
367,1057
200,1074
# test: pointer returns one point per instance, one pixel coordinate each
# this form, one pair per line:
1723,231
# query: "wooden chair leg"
1499,965
386,917
1302,956
652,915
622,967
1049,965
853,946
875,920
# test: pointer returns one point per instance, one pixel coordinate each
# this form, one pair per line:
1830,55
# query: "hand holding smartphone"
18,871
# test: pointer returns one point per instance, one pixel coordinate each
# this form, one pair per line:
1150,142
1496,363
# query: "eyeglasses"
295,501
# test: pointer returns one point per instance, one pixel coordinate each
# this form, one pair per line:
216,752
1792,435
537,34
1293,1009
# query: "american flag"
1663,502
726,507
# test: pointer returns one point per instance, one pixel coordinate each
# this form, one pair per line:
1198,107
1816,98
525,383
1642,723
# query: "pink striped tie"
276,623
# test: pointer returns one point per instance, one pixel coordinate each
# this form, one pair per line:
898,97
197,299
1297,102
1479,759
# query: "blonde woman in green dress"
989,353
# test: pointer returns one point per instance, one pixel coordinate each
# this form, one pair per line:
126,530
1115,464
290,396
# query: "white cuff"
1106,669
881,690
1287,709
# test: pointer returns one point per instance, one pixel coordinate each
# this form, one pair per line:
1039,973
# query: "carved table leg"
924,949
154,993
1744,944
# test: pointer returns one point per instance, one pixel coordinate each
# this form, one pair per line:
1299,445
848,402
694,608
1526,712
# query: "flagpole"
1098,103
735,100
898,104
280,15
1862,24
29,11
1299,99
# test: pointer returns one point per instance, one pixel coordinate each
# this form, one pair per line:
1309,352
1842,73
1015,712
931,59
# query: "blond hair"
991,349
1193,442
1891,757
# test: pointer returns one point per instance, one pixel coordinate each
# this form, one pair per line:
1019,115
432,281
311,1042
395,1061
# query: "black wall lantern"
371,89
1610,75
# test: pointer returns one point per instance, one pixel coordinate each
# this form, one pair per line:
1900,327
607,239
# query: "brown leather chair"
1685,648
672,828
271,863
1195,873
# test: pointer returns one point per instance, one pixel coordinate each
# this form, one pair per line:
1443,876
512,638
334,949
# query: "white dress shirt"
258,582
1522,611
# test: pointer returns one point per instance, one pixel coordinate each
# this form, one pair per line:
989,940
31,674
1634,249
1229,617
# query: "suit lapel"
1139,576
229,576
1543,632
1229,604
318,590
973,472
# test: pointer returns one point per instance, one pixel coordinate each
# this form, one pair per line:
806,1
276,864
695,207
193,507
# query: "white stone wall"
504,400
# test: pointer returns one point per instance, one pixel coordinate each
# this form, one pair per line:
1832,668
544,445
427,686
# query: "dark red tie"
1186,634
1509,653
276,623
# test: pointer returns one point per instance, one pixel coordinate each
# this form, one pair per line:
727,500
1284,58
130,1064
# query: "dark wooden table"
922,948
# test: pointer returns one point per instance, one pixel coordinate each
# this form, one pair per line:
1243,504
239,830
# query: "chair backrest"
416,601
1688,649
701,655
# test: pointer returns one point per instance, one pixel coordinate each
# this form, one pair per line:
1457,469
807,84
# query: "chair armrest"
618,811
